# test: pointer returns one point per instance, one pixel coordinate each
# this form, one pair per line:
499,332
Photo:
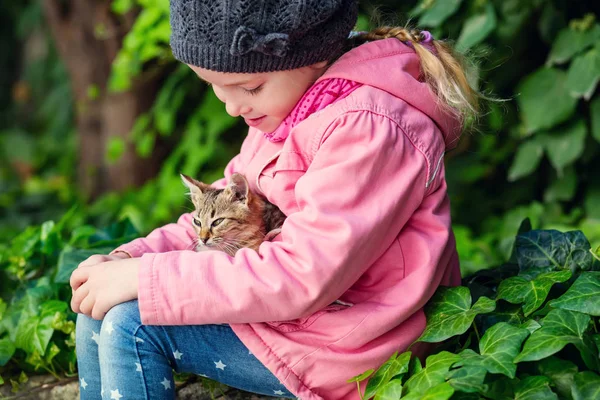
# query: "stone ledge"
46,388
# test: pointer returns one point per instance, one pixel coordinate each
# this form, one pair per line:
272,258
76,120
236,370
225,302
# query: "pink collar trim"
317,97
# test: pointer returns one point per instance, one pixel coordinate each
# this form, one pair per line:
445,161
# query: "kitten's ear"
196,187
238,186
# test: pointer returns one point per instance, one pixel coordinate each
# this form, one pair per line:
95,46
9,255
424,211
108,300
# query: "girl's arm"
357,195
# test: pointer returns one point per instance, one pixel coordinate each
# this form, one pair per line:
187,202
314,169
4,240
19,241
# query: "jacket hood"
392,66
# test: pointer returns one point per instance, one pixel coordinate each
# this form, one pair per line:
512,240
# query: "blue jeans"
119,357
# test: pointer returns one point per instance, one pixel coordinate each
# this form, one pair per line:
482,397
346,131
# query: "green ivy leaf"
570,42
51,352
584,74
583,296
532,293
81,234
531,325
559,328
468,379
7,349
534,388
390,391
476,28
69,258
563,188
596,339
586,386
441,10
504,312
34,333
434,373
24,244
443,391
528,157
50,237
36,296
560,372
2,308
361,377
414,366
499,387
565,146
115,234
449,313
595,117
542,251
541,91
394,366
498,347
122,6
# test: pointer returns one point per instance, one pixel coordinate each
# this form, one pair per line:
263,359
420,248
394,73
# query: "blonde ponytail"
443,70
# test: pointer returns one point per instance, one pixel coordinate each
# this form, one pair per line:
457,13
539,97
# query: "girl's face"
262,99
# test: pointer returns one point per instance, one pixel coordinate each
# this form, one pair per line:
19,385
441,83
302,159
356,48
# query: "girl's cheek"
219,93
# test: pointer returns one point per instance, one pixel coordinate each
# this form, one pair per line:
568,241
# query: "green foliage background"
535,154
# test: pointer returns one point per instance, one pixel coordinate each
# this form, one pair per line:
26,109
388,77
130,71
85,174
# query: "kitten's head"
226,219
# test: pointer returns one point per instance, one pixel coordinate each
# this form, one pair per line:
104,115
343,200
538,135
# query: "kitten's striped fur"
231,218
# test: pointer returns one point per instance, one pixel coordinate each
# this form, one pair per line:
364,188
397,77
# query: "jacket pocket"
277,180
302,323
284,161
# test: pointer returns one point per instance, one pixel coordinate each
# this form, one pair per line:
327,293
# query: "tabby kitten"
231,218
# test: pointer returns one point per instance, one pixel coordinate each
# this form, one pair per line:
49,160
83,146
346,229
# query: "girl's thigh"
212,351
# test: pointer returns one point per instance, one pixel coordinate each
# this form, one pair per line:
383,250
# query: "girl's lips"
255,121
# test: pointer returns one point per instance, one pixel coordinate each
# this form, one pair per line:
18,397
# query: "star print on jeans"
166,383
220,365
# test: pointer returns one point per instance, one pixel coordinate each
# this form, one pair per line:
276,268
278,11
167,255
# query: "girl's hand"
99,287
100,258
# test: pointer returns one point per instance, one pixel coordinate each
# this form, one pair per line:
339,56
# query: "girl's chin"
269,126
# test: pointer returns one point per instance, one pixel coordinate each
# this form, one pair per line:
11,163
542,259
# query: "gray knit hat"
259,36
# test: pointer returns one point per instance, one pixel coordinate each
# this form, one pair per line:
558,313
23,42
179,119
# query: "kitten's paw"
271,234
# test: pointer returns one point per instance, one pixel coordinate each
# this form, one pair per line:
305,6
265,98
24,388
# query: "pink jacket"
362,183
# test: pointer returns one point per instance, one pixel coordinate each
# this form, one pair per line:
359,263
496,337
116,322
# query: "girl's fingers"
87,305
78,296
92,260
78,277
98,311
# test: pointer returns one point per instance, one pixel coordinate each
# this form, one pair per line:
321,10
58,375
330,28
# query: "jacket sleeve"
175,236
358,192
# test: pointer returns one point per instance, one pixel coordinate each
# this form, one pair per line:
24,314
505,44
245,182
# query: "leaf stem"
476,332
359,393
52,372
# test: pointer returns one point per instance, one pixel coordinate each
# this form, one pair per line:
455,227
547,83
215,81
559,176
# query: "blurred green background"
97,120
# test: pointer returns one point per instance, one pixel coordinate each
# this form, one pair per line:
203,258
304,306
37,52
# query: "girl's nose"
235,109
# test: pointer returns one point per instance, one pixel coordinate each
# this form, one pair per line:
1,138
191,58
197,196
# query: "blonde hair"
443,70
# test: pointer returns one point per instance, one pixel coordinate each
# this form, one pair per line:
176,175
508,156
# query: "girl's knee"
124,313
123,320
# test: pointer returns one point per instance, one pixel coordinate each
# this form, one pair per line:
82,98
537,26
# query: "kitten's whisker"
230,249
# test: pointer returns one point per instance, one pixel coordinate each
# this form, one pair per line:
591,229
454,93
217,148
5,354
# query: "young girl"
347,137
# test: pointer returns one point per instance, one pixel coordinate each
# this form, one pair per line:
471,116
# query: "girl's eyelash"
253,91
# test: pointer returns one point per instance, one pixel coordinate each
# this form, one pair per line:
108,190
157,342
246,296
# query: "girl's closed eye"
254,91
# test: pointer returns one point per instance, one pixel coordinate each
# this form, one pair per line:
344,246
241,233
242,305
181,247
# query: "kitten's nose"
204,240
